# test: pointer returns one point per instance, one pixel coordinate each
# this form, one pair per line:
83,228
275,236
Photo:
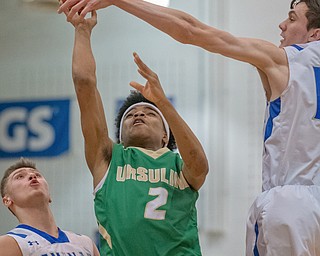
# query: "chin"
282,44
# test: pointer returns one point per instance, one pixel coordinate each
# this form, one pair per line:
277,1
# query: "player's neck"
41,218
145,145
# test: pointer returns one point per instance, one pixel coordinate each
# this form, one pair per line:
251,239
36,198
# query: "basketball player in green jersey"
145,194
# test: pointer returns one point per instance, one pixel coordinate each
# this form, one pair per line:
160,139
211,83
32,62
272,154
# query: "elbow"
82,80
204,170
197,182
202,165
200,171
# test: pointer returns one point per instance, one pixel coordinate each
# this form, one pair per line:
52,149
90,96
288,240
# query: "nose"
282,25
139,113
32,176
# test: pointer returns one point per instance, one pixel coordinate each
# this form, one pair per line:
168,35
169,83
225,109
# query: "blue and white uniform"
285,218
34,242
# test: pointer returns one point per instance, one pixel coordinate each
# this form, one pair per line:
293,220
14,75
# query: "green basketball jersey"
145,207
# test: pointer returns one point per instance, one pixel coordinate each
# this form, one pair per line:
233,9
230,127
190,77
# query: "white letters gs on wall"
34,128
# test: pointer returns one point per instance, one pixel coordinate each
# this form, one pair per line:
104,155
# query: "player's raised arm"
98,145
195,162
267,57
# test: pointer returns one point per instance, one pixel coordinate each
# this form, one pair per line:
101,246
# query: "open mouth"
34,182
138,121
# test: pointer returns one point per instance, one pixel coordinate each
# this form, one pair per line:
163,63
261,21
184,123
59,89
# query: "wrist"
163,102
83,29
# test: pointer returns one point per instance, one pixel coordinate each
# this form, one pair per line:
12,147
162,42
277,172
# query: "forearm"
93,121
83,63
190,149
175,23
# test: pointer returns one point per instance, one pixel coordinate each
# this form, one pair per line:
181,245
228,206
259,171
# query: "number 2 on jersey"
151,211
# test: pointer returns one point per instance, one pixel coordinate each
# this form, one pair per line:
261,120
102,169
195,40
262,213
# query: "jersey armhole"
100,184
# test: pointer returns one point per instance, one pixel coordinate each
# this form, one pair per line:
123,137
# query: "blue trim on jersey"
16,234
255,249
317,78
274,111
62,237
299,48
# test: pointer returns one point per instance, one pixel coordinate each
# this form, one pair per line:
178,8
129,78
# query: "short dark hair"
22,162
313,13
133,98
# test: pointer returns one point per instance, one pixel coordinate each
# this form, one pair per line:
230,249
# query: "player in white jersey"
26,194
289,207
292,124
284,220
33,241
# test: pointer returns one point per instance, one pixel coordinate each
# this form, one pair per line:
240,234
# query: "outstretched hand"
89,23
152,90
81,7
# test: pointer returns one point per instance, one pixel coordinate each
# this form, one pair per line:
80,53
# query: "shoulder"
9,246
83,240
304,54
78,238
72,234
297,48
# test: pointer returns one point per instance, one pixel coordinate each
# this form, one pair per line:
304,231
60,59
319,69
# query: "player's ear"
315,36
6,200
165,139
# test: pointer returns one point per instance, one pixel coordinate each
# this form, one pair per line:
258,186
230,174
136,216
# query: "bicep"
257,52
269,59
93,125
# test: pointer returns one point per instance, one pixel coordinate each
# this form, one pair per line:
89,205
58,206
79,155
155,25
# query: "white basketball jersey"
34,242
292,123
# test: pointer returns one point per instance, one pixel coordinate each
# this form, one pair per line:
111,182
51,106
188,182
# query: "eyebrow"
145,107
15,173
292,12
23,169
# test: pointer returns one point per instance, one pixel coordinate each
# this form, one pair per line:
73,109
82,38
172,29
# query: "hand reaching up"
152,90
81,7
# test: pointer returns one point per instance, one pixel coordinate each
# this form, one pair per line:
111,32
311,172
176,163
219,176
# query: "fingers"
93,18
73,7
144,70
137,86
62,10
65,5
85,10
140,63
66,13
76,9
152,89
94,14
